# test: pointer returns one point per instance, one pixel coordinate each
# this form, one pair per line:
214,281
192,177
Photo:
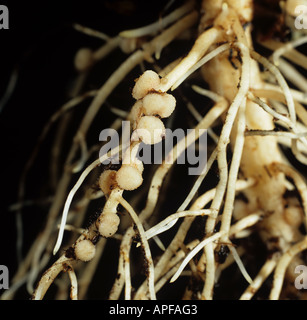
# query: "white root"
240,264
147,252
160,24
170,221
200,63
249,108
240,225
128,287
263,274
287,47
74,284
281,81
192,253
71,194
91,32
198,50
282,266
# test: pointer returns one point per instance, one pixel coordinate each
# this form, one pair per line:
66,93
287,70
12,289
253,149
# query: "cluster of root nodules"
240,229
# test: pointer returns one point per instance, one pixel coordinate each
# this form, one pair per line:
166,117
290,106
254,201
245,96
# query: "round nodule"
148,81
162,104
129,178
85,250
107,181
150,130
107,224
84,59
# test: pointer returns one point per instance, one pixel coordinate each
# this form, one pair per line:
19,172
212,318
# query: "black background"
41,44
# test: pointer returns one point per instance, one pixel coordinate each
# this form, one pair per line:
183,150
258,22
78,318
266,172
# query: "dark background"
41,44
